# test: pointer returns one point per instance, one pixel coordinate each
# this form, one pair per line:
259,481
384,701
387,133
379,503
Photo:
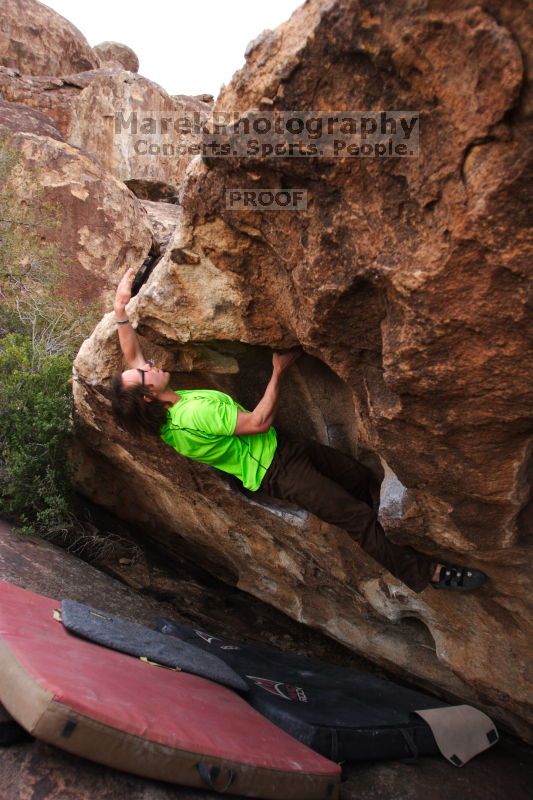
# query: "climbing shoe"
461,579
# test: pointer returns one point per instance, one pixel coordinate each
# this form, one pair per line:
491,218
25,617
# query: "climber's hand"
123,293
282,361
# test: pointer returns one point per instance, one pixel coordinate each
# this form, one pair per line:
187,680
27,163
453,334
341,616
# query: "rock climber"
207,425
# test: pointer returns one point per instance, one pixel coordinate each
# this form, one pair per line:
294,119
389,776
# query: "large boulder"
100,227
406,282
38,41
107,110
117,53
18,118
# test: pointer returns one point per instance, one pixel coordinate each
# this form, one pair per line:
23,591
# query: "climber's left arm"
129,342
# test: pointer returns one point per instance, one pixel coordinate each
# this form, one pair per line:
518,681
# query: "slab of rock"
164,218
36,40
117,53
205,98
102,228
136,130
16,117
111,116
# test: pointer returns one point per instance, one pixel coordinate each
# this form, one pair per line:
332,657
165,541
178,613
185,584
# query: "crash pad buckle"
157,664
210,774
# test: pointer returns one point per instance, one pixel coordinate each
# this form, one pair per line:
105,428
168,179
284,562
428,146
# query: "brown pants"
335,487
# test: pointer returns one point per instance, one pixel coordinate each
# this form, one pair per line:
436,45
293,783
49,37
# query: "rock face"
117,53
57,106
18,118
406,283
38,41
95,96
101,225
103,111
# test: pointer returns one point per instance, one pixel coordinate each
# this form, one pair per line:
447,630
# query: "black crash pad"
338,712
139,640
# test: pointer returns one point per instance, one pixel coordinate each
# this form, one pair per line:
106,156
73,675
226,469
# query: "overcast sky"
186,47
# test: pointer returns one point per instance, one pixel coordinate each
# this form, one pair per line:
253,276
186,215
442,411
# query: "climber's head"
136,398
152,379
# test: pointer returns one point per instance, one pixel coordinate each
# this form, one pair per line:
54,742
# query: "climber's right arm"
262,417
129,343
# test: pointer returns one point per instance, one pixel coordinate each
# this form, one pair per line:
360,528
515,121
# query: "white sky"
186,46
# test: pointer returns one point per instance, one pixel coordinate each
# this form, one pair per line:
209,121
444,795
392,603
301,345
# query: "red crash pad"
153,721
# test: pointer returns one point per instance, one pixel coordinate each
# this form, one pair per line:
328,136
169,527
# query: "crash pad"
118,710
344,714
113,631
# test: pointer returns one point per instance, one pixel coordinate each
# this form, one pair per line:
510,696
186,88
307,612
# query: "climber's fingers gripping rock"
282,361
123,293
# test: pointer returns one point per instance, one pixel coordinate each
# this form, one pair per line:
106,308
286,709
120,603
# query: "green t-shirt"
200,426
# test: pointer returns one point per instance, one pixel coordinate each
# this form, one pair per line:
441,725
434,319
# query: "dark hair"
131,409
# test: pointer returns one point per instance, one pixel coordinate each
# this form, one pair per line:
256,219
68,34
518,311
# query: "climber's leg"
359,481
344,469
292,476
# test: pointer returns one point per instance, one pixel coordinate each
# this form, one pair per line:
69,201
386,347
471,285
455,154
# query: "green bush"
35,426
40,332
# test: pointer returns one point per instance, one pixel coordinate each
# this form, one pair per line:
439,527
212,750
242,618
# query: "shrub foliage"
35,424
40,333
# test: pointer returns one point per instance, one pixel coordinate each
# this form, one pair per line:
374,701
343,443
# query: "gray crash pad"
138,640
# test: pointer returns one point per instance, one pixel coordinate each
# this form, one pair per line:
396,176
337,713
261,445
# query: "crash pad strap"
410,742
461,732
